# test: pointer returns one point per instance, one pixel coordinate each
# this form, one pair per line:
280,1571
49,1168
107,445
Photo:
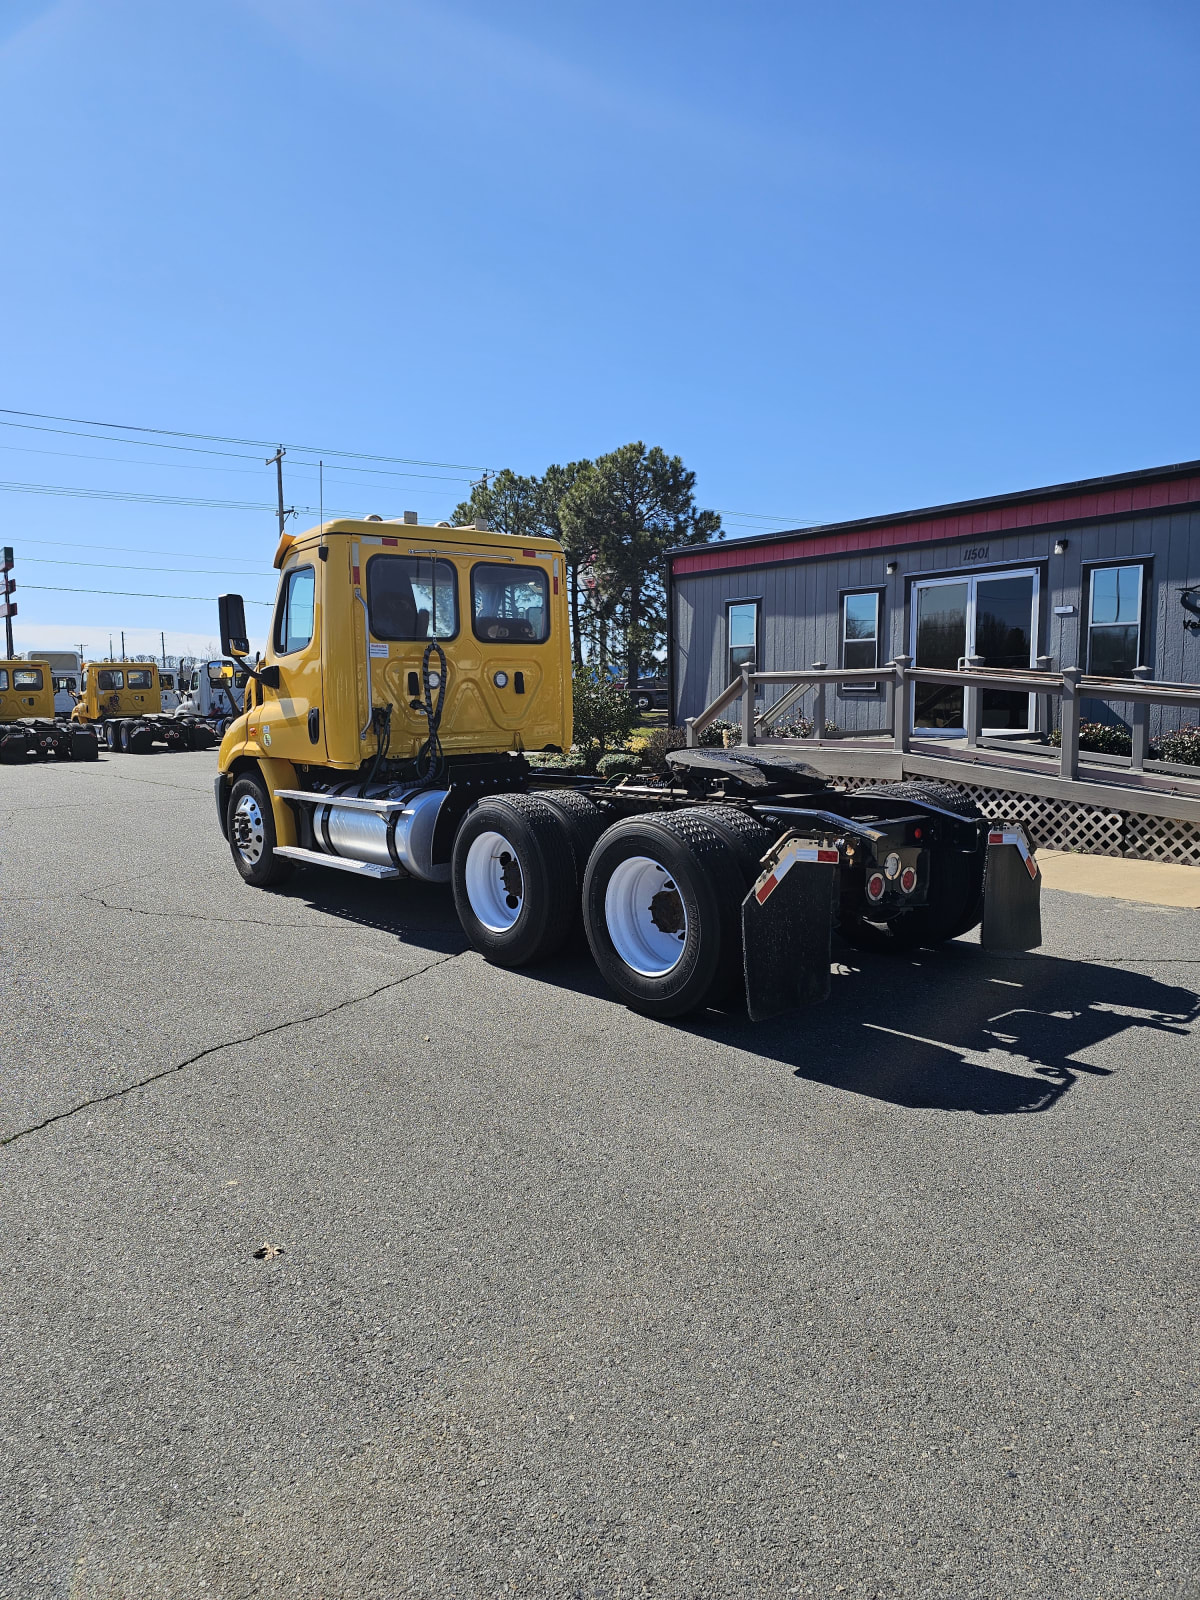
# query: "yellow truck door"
289,723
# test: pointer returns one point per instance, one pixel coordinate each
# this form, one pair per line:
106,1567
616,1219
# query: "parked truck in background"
122,700
213,692
29,729
408,671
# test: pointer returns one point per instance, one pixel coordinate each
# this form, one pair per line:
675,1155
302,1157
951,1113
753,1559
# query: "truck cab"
26,690
115,689
213,690
168,690
358,606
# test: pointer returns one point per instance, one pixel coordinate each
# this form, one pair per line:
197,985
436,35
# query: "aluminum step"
347,802
318,858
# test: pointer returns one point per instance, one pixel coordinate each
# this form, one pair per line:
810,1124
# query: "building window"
741,618
860,633
295,618
1115,621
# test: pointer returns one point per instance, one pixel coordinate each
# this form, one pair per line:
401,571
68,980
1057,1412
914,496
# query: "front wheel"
251,828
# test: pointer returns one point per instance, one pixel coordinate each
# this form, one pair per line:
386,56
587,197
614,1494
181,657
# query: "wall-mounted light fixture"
1060,547
892,568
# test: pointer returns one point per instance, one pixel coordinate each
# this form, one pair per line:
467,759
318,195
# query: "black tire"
747,837
955,903
696,871
584,823
643,702
250,829
112,735
513,875
123,737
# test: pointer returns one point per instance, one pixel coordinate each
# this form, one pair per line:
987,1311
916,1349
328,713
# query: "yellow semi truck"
408,671
29,730
122,701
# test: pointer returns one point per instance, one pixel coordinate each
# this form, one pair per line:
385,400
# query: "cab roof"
406,535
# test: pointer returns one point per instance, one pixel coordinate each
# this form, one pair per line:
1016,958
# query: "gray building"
1103,574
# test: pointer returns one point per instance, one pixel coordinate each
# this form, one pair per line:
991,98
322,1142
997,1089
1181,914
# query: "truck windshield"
510,604
412,597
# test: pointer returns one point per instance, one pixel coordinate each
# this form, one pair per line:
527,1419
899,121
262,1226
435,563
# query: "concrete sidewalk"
1154,883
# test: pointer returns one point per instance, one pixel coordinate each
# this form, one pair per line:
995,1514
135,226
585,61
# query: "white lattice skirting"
1065,825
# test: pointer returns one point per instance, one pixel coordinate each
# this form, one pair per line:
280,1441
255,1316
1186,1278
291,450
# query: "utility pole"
163,641
122,644
276,461
7,604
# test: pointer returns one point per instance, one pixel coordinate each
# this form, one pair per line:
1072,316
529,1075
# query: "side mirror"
232,611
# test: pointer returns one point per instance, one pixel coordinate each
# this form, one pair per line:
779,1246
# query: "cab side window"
27,678
295,615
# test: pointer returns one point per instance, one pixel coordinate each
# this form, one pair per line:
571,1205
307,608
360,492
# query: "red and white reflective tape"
1010,833
798,850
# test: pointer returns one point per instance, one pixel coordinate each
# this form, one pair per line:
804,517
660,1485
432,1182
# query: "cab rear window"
107,680
409,597
27,677
510,605
141,680
3,678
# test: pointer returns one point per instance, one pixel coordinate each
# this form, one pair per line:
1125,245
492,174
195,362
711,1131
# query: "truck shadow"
958,1029
418,913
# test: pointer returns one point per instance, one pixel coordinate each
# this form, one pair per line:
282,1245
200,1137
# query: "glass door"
993,616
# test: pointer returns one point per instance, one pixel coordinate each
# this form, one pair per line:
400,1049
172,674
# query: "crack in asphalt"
259,922
226,1044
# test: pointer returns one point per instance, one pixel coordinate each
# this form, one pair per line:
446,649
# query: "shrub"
1183,746
1103,737
721,735
604,715
553,761
619,764
802,729
654,751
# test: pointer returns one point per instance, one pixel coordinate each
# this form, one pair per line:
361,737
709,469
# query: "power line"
15,487
117,566
256,444
133,594
134,550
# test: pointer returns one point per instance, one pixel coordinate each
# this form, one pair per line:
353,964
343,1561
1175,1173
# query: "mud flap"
1012,892
787,923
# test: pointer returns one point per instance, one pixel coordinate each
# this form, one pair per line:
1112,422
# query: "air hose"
430,757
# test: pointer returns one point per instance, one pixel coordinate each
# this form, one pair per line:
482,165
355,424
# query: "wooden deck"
1021,768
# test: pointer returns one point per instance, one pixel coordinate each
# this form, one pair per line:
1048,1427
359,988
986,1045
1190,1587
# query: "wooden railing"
1069,687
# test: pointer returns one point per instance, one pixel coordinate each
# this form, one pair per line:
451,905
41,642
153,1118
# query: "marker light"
892,865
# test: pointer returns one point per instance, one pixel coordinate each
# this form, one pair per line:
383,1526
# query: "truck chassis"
731,876
139,735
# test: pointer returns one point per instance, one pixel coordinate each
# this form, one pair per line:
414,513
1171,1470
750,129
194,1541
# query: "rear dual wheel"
662,904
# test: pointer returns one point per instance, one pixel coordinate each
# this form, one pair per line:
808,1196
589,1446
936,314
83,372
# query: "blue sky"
844,259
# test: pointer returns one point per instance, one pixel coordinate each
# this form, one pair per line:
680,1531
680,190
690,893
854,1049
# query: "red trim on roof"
966,525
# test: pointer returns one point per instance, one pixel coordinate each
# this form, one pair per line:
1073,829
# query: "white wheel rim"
248,830
646,917
494,881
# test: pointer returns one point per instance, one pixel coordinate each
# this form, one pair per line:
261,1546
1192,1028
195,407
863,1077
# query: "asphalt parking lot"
896,1297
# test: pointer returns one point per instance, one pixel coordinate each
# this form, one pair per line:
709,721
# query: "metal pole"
1140,723
122,644
163,641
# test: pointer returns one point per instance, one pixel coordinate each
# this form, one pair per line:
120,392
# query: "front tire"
514,880
252,838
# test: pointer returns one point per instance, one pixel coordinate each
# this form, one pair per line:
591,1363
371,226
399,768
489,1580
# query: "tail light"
908,880
876,884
